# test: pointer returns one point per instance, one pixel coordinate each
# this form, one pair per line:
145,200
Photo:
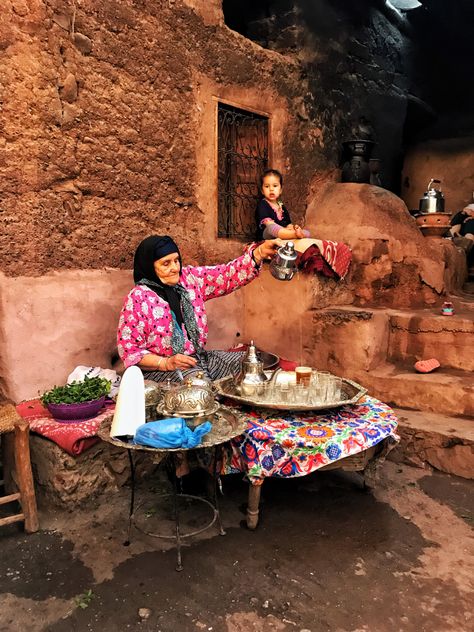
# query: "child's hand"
299,232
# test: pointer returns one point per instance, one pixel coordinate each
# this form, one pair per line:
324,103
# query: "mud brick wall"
100,115
99,125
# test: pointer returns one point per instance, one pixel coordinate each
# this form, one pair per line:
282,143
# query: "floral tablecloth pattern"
290,444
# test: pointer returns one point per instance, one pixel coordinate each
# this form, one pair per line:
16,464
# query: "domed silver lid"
189,399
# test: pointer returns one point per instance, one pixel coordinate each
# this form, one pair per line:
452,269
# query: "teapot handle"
432,182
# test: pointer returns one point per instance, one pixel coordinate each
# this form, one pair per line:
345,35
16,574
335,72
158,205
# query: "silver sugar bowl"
193,402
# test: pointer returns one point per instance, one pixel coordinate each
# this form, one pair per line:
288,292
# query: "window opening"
242,158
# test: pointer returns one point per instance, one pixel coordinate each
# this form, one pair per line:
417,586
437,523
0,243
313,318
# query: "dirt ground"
325,556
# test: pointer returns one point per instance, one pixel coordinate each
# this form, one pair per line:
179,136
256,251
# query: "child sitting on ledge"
273,218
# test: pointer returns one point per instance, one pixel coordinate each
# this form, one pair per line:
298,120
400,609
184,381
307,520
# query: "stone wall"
101,127
394,265
356,58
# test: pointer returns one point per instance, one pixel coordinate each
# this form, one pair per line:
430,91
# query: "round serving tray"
225,426
352,393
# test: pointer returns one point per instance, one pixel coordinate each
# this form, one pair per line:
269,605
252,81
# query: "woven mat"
8,416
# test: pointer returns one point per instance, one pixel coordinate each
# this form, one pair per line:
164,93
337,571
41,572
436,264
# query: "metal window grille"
242,157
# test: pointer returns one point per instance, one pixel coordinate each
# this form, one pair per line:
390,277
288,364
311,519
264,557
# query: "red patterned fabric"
74,437
333,260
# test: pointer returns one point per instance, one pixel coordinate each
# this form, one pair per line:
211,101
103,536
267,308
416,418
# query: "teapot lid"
287,251
252,353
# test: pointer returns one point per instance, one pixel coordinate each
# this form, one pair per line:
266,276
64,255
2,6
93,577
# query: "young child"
273,218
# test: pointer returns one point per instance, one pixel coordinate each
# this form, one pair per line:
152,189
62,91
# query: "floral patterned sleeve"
140,325
225,278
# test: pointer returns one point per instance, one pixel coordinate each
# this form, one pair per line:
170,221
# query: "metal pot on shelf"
433,198
432,219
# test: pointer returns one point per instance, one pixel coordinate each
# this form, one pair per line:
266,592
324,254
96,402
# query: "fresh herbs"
91,388
83,601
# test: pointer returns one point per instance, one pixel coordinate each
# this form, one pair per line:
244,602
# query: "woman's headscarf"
150,250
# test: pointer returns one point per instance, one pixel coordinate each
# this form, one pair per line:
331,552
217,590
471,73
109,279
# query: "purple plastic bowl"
69,413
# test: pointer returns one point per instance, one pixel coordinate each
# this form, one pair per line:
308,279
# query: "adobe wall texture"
101,121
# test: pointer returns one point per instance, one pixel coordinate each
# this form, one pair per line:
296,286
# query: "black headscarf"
150,250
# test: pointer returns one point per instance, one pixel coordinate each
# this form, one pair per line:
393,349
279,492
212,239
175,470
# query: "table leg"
132,497
253,505
25,476
215,483
179,564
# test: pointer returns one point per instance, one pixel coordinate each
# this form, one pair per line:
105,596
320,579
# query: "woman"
163,324
462,232
462,223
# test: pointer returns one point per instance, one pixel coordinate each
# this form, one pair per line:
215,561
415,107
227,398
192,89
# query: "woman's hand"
266,249
178,361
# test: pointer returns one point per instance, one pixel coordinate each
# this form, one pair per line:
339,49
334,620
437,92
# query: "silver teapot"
433,199
248,382
283,264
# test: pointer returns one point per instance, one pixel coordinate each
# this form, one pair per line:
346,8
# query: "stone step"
463,301
425,334
434,440
445,391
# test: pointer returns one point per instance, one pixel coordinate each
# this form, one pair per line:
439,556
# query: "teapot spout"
274,376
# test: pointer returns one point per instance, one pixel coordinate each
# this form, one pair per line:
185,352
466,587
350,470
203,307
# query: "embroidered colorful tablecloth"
293,444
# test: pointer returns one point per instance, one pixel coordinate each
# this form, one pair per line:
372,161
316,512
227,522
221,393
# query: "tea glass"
334,389
303,375
299,394
324,378
283,392
268,393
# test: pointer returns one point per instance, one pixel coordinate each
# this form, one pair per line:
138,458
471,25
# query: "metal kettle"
283,264
433,199
252,375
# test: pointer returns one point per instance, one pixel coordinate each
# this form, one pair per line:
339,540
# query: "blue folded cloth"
170,433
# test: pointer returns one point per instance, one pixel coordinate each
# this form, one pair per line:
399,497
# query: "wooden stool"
17,473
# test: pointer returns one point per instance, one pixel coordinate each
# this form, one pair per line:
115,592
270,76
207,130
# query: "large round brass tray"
225,426
352,392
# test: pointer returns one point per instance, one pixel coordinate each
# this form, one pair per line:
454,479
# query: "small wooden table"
289,444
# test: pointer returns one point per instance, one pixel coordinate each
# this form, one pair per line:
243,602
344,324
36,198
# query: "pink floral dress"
146,324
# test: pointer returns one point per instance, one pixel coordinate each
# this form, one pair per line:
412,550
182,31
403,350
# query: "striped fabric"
214,365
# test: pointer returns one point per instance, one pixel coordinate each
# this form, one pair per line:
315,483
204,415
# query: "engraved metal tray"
225,426
352,393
